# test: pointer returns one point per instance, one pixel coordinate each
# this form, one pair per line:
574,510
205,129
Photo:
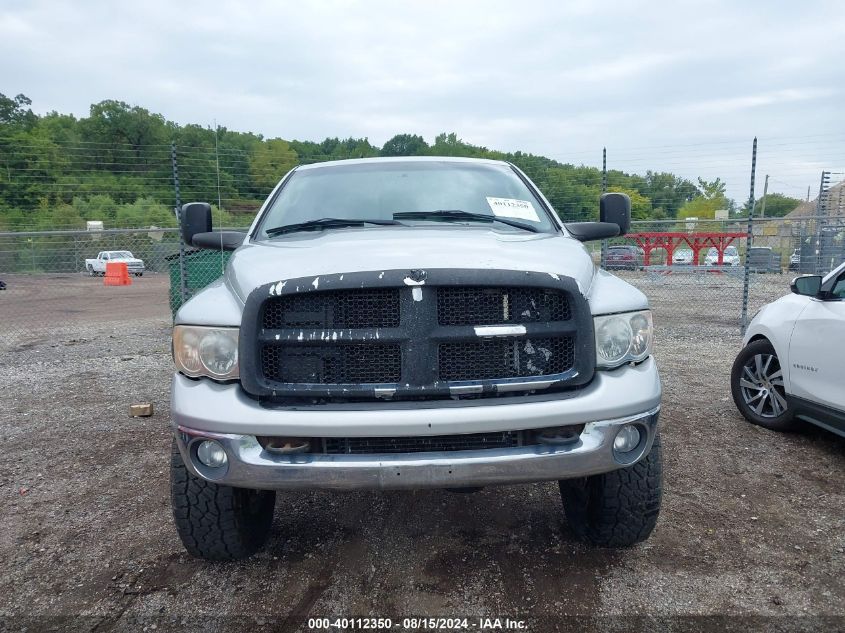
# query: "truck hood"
311,254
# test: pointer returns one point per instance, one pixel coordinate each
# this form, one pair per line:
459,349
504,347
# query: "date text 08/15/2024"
418,624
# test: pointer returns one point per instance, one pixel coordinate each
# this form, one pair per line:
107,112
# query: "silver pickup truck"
411,323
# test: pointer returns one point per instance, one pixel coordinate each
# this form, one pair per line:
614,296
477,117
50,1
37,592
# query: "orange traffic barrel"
117,274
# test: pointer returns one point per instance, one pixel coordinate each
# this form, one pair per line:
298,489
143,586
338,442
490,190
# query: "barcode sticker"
512,208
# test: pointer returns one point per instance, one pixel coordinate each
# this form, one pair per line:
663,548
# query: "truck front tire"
619,508
218,522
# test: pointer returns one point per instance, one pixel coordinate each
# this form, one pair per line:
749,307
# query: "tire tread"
619,508
211,519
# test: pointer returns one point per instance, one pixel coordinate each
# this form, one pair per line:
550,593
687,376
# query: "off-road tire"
619,508
218,522
784,422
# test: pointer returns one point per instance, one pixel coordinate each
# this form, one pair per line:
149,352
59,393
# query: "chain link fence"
705,277
701,276
54,282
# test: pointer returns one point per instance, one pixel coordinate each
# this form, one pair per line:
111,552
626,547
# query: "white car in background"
729,258
682,256
791,366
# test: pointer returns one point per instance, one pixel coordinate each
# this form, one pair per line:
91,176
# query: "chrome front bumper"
250,466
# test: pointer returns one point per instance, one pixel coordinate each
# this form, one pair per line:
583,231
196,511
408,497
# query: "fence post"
603,259
182,289
749,238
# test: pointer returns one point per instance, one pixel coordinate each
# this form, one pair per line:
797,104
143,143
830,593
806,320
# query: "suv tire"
218,522
619,508
741,378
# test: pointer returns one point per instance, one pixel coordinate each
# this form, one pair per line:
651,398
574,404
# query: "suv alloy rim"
761,384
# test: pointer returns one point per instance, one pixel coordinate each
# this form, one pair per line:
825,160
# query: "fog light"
211,454
627,439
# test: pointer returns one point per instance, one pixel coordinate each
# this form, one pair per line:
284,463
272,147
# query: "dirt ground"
751,535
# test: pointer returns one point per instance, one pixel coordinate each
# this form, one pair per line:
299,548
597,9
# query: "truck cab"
412,323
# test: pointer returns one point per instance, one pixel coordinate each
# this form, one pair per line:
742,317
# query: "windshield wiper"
457,214
326,223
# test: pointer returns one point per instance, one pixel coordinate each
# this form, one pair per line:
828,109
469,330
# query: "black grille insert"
376,445
488,359
492,306
332,364
338,309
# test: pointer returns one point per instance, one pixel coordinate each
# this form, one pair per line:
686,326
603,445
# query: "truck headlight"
206,351
622,338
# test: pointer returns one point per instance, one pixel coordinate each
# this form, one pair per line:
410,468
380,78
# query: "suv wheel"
619,508
757,387
218,522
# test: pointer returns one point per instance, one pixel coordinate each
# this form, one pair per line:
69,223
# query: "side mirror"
616,209
590,231
807,285
196,218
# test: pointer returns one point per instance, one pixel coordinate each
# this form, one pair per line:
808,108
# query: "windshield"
377,190
120,254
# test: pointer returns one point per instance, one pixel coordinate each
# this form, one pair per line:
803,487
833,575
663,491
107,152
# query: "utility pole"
749,239
763,204
603,254
217,160
821,201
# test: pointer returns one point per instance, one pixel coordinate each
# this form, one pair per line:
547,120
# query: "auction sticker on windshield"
512,208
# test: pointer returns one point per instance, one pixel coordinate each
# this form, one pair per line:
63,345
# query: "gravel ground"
751,535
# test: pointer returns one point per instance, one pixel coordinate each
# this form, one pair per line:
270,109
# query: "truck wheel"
91,272
218,522
757,387
619,508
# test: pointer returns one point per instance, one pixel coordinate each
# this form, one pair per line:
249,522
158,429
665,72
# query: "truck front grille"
348,363
487,359
339,309
425,444
493,306
415,335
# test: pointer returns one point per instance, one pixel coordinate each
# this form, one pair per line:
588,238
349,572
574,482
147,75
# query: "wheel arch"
781,351
760,337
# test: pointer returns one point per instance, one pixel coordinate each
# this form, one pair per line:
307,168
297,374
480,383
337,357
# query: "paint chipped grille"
489,359
493,306
337,309
332,364
370,335
436,443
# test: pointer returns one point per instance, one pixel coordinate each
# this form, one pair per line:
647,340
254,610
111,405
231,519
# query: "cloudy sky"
678,86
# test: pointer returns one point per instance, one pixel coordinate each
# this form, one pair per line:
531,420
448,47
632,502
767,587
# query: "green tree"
405,145
777,205
271,160
16,112
127,127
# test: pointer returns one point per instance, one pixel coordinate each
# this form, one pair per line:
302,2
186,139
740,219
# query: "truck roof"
402,159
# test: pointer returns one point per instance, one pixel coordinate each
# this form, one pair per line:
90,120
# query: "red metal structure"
670,241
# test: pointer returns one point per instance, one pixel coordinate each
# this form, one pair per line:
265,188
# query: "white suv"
792,362
729,258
